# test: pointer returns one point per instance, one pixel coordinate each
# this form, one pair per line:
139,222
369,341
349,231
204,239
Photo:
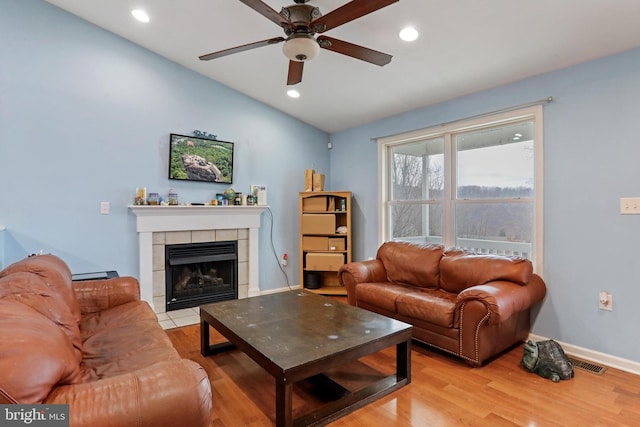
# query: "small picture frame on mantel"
260,192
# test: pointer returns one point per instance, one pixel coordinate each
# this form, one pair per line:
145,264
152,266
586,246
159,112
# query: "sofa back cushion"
412,264
459,271
35,355
31,290
56,275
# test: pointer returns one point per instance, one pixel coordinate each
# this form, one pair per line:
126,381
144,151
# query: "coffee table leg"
284,403
204,338
403,361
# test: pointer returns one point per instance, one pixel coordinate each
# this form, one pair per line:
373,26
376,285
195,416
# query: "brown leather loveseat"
473,306
94,346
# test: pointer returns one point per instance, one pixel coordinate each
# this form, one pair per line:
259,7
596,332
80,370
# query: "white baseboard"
595,356
282,289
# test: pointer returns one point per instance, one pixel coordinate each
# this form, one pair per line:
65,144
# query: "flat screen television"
199,159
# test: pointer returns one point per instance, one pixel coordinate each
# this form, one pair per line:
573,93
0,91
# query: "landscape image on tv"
199,159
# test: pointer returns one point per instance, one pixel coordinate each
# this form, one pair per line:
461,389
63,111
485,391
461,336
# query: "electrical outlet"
605,301
104,208
630,205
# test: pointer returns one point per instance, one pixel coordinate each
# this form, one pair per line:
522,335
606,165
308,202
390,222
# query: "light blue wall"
86,117
591,152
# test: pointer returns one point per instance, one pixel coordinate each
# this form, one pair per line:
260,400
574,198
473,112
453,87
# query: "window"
474,184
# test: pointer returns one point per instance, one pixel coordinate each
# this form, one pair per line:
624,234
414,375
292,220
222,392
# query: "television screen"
199,159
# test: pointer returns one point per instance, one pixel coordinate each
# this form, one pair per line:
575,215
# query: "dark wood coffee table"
298,335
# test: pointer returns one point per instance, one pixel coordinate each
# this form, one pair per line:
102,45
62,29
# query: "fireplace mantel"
150,219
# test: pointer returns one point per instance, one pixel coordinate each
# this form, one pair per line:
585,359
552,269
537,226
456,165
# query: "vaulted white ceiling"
465,46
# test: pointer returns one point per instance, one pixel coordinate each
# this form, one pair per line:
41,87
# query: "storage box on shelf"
318,223
324,262
325,239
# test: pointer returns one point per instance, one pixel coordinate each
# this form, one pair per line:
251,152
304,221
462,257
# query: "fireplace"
200,273
158,226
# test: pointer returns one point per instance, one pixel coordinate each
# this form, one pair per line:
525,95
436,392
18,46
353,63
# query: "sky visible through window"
509,165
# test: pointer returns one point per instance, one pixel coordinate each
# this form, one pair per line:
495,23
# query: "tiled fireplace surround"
165,238
158,226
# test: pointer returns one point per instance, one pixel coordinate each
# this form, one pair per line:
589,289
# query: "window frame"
448,132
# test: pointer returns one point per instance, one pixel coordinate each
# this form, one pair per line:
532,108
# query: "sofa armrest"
172,393
360,272
98,295
503,299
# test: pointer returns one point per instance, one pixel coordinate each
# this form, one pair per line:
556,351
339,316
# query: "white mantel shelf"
150,219
171,218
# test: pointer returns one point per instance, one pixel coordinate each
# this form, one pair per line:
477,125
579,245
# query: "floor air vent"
587,366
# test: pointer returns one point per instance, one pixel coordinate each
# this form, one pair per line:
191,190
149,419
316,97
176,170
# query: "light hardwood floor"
443,391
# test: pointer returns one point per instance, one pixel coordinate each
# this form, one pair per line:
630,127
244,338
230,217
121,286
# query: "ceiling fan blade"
350,11
266,11
295,72
242,48
353,50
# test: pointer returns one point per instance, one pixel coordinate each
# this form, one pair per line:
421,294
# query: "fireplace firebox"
201,273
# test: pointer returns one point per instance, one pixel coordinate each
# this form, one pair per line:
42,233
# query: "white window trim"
534,113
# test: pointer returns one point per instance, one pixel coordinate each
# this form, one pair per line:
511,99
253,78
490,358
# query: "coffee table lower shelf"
348,403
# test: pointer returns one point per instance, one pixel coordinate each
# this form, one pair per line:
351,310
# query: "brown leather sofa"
94,346
472,306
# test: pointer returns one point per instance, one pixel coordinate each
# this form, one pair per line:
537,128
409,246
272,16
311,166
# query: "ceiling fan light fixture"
301,47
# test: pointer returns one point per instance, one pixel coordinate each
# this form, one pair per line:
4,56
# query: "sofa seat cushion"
35,355
121,340
431,305
382,295
412,264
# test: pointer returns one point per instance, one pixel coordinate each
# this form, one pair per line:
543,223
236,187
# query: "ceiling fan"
301,22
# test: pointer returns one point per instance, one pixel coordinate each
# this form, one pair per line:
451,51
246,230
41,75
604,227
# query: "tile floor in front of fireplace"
176,318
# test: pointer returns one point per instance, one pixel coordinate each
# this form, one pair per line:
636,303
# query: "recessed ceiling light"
140,15
519,135
408,34
293,93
